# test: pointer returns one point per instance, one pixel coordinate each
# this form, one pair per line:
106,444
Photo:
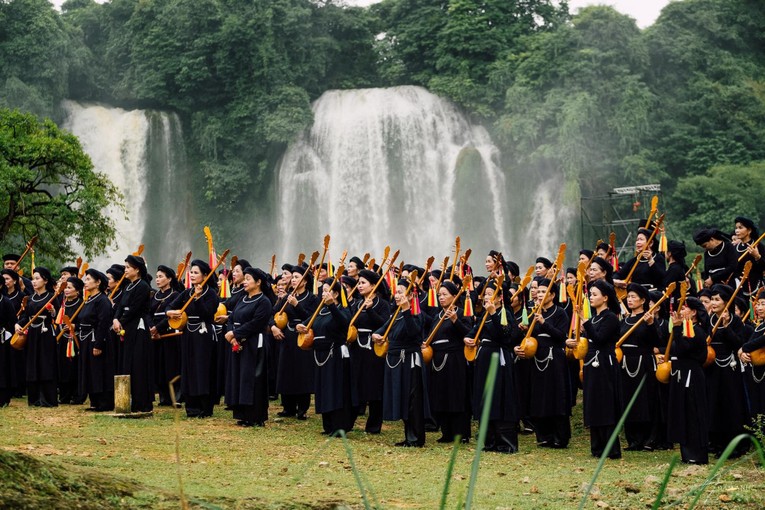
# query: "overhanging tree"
49,188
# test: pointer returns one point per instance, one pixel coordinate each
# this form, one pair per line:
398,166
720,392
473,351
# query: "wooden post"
122,394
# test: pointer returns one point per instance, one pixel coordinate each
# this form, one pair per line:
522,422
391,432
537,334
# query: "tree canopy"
589,99
49,189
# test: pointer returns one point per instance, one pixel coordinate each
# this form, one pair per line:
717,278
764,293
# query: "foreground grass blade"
356,473
488,393
449,470
665,481
731,446
611,440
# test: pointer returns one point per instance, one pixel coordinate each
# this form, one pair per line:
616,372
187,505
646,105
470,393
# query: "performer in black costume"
448,384
496,337
132,322
41,367
167,350
247,376
688,420
549,404
368,368
198,342
295,378
404,396
336,400
97,348
601,384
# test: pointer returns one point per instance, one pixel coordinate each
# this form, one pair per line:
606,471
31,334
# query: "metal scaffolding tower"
620,211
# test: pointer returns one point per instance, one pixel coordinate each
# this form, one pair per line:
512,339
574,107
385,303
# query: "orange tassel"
432,299
60,315
415,304
468,310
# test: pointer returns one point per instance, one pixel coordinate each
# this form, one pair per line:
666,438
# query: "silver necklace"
44,297
244,299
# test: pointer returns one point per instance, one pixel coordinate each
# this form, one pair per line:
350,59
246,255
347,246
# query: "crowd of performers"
414,343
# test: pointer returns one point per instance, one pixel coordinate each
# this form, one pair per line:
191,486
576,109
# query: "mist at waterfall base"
398,166
142,153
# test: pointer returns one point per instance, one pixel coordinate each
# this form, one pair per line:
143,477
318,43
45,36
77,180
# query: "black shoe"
374,431
559,446
286,414
633,448
545,444
301,417
444,440
465,440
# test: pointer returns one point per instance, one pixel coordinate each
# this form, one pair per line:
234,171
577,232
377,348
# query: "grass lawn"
131,464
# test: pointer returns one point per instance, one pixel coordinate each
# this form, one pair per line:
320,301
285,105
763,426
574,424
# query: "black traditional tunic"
367,367
335,398
296,366
549,380
68,367
198,350
404,395
725,385
688,420
247,376
638,361
754,375
647,275
96,376
42,366
167,351
8,378
602,404
137,351
720,263
448,384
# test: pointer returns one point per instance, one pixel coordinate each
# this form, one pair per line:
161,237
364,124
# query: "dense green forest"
590,97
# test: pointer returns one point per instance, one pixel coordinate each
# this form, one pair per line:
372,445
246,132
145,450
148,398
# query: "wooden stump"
122,394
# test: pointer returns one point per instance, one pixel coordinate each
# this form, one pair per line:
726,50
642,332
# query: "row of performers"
248,357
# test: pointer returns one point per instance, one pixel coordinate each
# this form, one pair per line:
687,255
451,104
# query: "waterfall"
397,166
142,153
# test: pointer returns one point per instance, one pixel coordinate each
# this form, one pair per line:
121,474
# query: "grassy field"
288,464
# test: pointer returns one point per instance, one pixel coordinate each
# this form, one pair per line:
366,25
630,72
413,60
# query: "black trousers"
453,424
375,417
414,427
42,394
5,396
102,401
553,430
695,455
501,436
250,413
199,406
598,440
637,434
296,404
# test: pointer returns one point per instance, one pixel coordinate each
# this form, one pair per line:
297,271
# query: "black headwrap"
258,274
170,273
100,277
605,266
76,283
205,269
545,282
45,274
642,292
607,290
13,274
747,223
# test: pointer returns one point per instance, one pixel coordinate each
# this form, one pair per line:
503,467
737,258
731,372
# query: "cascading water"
397,166
142,154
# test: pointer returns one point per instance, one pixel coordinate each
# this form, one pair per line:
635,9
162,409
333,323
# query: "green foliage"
49,189
716,197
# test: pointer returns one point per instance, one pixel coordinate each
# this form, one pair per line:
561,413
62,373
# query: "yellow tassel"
503,317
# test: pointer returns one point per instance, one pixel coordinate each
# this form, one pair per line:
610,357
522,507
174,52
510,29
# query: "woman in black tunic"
69,355
368,368
224,353
602,405
295,380
502,430
132,322
41,367
754,375
247,375
448,383
404,396
549,404
688,420
725,382
18,358
746,234
336,401
650,263
637,361
198,342
7,367
720,259
97,348
167,351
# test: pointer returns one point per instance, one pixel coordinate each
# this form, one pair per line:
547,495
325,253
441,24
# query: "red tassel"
415,304
432,299
70,348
